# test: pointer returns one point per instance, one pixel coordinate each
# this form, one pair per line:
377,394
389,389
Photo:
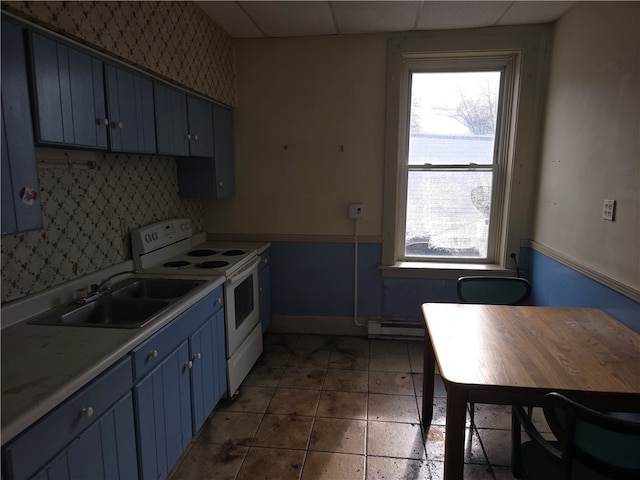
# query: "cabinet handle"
189,364
220,183
153,354
102,121
218,301
197,356
87,412
118,124
188,136
195,136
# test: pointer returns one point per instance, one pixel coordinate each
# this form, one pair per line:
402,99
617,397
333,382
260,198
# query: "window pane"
453,117
448,213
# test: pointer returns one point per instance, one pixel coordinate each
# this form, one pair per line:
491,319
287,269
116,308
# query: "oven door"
242,311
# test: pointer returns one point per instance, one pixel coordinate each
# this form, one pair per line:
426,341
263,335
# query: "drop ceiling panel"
534,12
231,18
368,17
290,19
446,15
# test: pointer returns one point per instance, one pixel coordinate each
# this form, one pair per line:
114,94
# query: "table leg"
428,378
454,433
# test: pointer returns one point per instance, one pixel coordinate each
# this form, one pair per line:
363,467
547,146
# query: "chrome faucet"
99,290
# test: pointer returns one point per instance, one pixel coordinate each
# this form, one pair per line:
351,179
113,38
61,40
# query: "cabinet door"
130,111
172,125
200,127
21,208
223,138
163,407
264,282
107,449
69,95
208,373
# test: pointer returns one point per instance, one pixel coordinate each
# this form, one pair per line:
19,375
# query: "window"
451,180
459,199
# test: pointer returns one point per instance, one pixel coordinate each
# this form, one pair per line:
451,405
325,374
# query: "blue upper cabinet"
211,177
68,87
131,112
21,208
172,123
184,123
200,127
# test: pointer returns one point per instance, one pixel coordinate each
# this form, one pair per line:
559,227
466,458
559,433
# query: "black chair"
589,444
492,291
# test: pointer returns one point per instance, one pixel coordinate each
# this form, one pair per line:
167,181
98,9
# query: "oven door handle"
244,273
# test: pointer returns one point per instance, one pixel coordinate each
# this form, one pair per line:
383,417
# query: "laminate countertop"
42,365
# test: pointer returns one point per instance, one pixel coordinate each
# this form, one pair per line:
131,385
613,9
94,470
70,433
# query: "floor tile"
302,377
388,346
497,446
391,382
271,463
211,461
333,466
434,446
384,468
316,342
284,431
274,357
471,472
346,380
343,405
338,435
349,360
306,358
263,376
294,401
285,340
401,440
390,362
416,359
249,399
392,408
352,344
492,416
233,428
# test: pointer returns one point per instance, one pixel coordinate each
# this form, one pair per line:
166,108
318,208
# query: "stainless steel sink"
154,288
130,303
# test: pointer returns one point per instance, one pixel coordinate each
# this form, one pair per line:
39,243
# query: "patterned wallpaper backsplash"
85,213
173,40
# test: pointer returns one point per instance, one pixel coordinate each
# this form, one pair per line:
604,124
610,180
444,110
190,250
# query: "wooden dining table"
509,355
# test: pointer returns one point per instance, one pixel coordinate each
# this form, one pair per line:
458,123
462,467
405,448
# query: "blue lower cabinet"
163,408
90,435
208,372
107,449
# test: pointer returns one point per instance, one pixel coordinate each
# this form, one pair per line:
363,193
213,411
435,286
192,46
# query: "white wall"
314,95
591,141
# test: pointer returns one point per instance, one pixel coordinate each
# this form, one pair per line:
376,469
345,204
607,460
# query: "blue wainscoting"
317,279
555,284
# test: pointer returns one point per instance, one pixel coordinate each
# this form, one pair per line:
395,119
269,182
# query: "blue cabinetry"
130,109
90,435
21,208
264,282
211,176
180,374
68,88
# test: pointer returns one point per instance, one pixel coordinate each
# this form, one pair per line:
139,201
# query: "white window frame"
506,64
527,47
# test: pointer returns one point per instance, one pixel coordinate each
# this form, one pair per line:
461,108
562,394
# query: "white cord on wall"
355,278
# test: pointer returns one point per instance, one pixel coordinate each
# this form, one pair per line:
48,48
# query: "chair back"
493,290
605,444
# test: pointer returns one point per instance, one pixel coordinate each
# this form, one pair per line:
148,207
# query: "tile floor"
324,407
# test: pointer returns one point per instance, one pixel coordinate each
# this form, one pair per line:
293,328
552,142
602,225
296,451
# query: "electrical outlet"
609,209
355,210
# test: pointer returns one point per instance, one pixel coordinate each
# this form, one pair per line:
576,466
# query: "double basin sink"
131,303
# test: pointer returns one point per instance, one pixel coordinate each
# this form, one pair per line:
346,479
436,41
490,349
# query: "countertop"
43,365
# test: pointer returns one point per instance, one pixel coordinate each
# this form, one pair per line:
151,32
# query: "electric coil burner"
169,248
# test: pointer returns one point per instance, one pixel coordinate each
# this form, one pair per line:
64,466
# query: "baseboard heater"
395,329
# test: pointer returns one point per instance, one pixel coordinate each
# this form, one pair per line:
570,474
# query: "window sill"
441,270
